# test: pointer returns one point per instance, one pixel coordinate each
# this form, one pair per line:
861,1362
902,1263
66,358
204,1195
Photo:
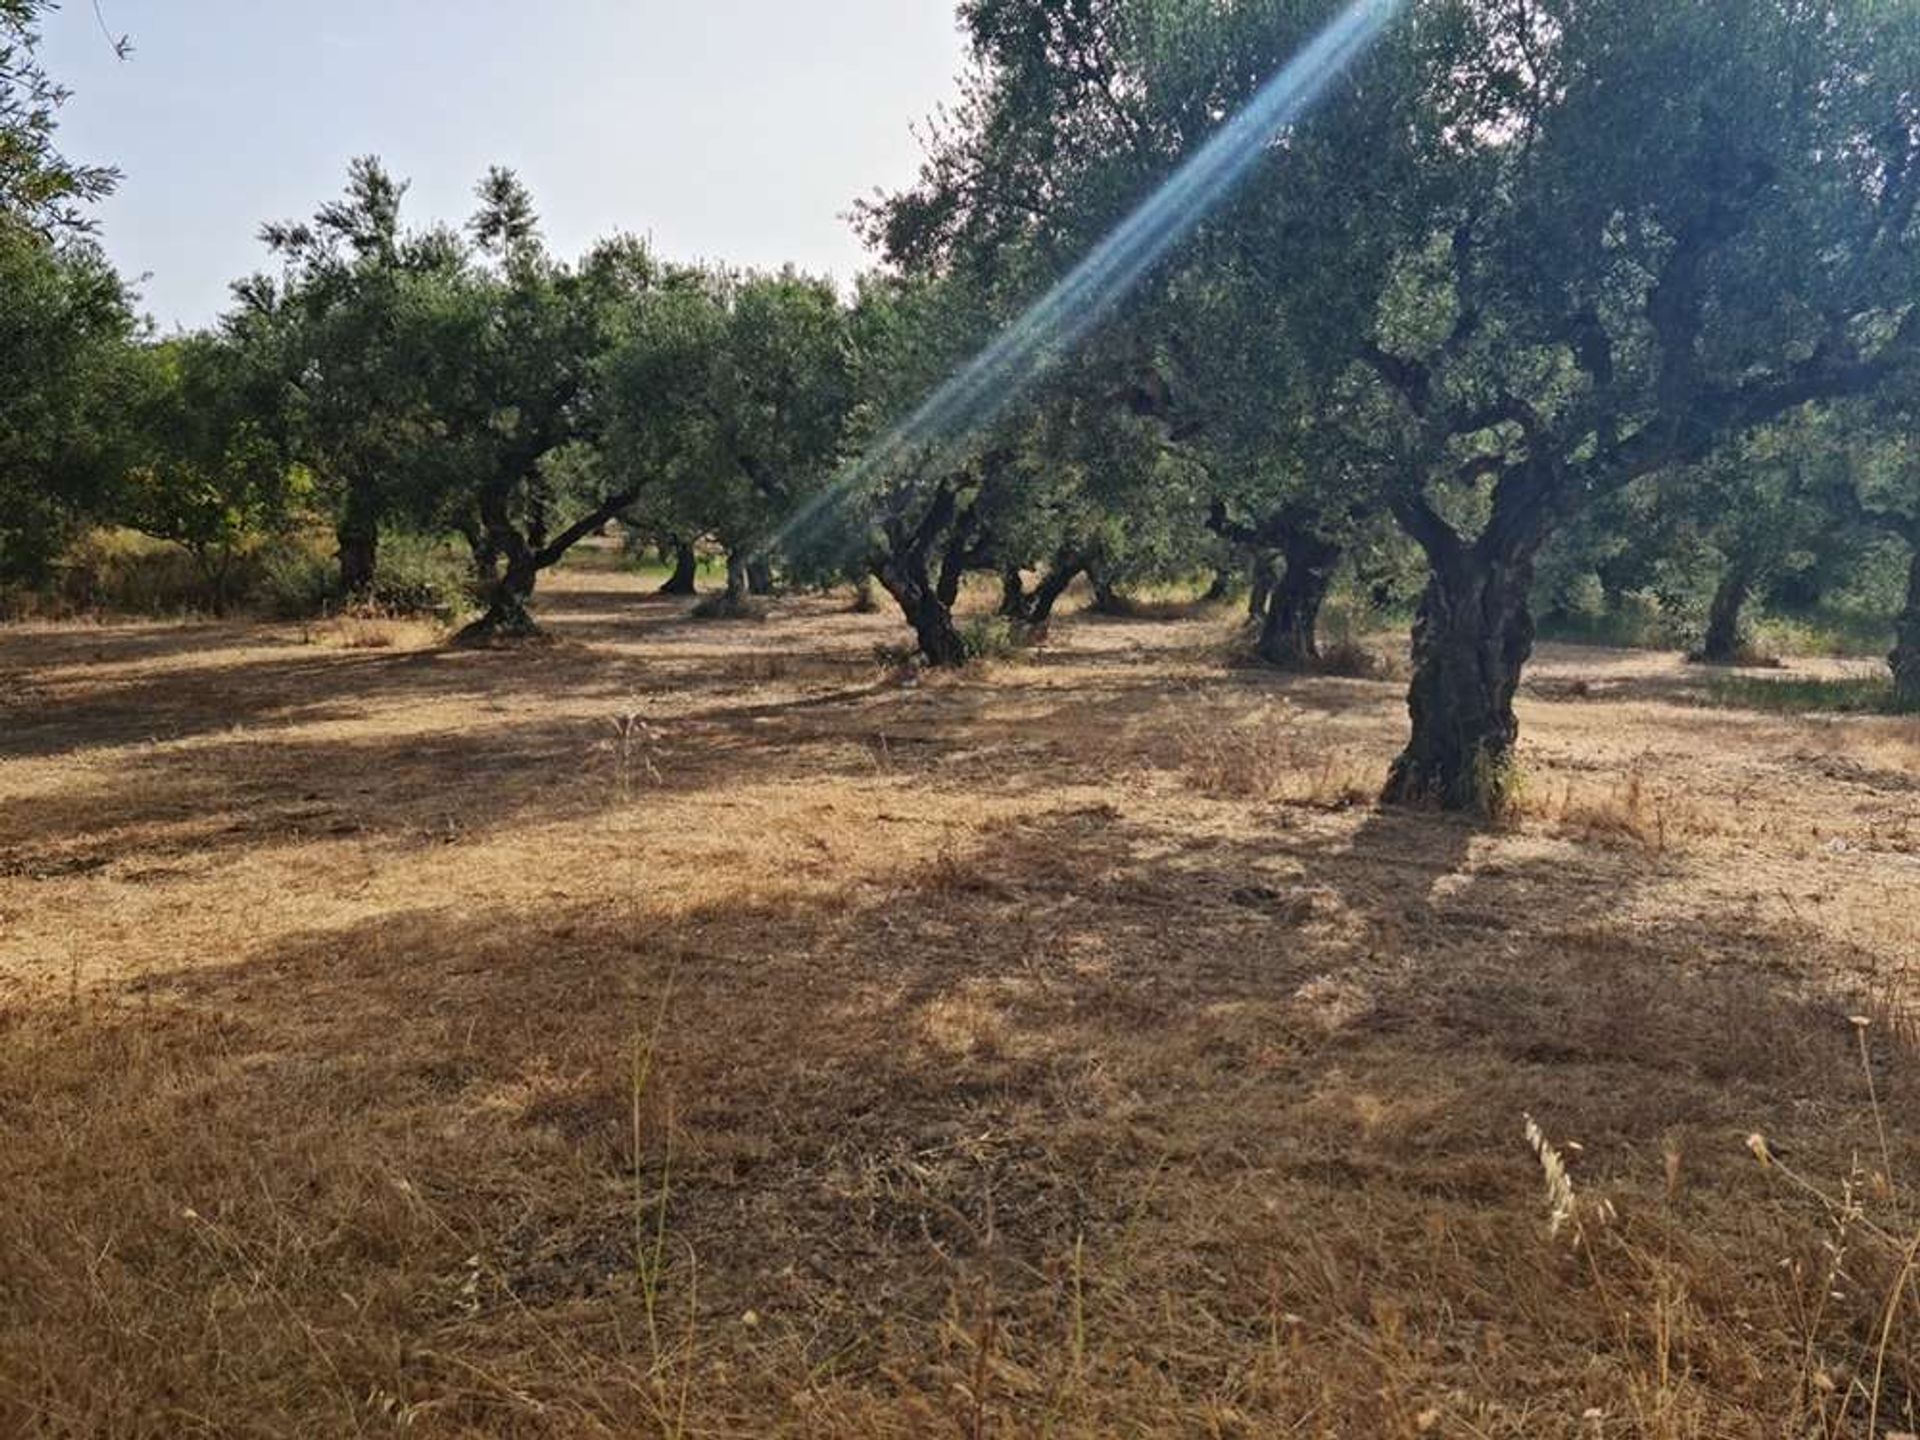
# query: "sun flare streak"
981,389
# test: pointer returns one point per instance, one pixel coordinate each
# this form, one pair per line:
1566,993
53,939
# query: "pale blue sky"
737,130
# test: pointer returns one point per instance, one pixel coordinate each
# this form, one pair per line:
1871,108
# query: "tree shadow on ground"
1206,1066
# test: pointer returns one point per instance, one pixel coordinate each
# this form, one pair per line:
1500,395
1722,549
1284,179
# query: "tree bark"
739,581
686,571
486,558
759,575
1289,637
1059,578
1033,609
1472,635
213,575
1013,593
1106,599
1260,596
508,614
1905,658
905,569
1722,643
359,535
930,616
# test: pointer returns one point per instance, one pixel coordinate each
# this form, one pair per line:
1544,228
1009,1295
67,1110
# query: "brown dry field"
690,1029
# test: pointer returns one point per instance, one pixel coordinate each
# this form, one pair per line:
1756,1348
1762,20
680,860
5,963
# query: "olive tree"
1546,249
352,328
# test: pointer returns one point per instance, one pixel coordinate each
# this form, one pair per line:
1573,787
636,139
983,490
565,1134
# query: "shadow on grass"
1079,1077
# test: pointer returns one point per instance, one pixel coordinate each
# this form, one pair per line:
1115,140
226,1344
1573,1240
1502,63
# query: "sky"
723,130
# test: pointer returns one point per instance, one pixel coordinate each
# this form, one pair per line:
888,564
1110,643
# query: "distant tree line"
1548,305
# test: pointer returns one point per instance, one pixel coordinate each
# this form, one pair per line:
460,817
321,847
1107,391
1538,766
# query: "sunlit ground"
691,1029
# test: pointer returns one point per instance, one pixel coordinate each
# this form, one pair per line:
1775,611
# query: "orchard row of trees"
1539,273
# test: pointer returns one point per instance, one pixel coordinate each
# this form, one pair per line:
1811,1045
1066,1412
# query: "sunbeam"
981,389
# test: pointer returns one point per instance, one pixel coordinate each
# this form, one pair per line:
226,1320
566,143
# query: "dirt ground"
694,1029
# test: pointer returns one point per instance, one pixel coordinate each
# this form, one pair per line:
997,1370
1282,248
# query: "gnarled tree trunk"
1722,643
918,597
1033,609
739,579
1013,593
1261,593
1472,635
1905,658
359,535
486,562
905,568
686,570
1061,574
508,614
759,575
1289,637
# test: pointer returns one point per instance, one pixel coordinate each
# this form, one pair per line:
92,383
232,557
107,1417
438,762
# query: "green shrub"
414,575
989,637
1826,631
299,577
422,575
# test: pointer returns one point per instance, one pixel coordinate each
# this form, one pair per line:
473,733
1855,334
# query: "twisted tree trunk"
1722,643
931,617
1261,593
1472,635
739,580
1061,574
359,536
1013,593
1289,637
509,615
1033,609
686,570
905,569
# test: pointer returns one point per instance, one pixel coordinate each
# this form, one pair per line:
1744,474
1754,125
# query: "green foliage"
346,349
290,574
1633,621
65,379
207,475
732,388
299,578
417,575
41,190
990,637
422,574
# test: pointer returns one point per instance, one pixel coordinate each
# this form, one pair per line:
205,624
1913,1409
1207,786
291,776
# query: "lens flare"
975,395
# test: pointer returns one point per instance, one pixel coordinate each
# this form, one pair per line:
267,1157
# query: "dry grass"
372,630
678,1030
